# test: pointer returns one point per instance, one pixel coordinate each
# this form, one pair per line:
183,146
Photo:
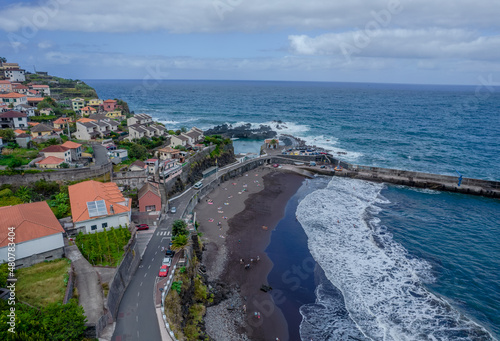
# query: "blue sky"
383,41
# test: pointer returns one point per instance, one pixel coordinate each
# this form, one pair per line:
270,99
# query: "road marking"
137,318
138,293
149,267
153,259
168,234
137,334
141,284
145,274
156,252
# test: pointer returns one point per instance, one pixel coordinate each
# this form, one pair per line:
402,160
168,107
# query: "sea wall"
396,176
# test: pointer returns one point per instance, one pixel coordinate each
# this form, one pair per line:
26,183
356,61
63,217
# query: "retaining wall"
74,174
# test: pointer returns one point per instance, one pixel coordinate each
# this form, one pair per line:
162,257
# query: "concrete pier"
438,182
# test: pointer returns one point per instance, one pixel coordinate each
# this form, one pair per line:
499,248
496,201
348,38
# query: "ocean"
391,262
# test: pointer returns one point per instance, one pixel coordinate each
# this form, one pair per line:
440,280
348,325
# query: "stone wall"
71,284
74,174
135,179
40,257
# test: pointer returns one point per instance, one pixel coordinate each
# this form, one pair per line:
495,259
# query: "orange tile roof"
32,221
62,120
84,192
55,149
71,145
85,120
19,131
35,99
12,95
32,124
87,108
51,160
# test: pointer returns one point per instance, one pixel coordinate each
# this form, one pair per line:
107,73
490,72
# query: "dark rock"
244,131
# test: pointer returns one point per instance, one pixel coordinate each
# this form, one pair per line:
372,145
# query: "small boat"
337,169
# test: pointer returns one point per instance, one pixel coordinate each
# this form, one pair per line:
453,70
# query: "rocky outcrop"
244,131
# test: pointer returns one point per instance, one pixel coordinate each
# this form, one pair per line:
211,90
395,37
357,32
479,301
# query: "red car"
163,271
142,227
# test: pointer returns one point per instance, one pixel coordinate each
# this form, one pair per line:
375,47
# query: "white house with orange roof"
96,206
14,98
50,162
38,233
44,89
88,110
75,149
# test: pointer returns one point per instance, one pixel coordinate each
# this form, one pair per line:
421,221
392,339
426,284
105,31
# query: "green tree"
179,228
24,193
137,151
3,59
64,321
179,242
7,134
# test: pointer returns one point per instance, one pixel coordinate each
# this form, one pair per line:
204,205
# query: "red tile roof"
71,145
84,192
109,101
51,160
55,149
32,221
13,113
12,95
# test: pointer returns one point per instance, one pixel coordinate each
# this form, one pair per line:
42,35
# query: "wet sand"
248,208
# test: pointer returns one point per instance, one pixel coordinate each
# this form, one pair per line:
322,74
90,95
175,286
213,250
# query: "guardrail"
164,293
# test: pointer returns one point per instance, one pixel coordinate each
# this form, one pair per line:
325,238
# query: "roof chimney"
111,209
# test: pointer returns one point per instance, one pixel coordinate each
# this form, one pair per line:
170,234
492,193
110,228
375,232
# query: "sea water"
396,263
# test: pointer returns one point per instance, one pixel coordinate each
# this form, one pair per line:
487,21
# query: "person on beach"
242,261
258,258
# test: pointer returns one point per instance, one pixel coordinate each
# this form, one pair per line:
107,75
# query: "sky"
380,41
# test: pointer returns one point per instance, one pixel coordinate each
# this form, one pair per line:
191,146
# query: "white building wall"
112,221
33,247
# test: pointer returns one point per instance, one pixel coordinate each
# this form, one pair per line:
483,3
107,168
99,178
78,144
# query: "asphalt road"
137,318
100,154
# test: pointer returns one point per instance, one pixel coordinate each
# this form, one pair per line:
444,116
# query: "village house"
43,89
272,143
75,149
109,105
168,153
95,103
141,119
41,130
193,137
33,93
23,140
62,122
14,98
15,75
96,206
136,132
137,166
50,162
152,165
39,235
88,110
19,132
13,119
95,129
116,114
149,198
118,155
5,86
178,140
19,88
33,101
58,151
25,108
46,111
77,104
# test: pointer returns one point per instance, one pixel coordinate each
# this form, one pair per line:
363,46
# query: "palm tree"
273,143
179,242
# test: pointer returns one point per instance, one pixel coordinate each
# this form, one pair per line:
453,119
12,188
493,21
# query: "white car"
173,210
166,261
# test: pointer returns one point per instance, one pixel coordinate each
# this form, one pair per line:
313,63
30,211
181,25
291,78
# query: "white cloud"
187,16
45,44
400,43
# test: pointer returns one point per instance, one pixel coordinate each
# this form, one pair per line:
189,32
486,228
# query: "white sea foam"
381,284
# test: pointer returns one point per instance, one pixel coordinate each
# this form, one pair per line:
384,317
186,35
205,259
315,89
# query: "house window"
151,208
93,227
104,225
19,118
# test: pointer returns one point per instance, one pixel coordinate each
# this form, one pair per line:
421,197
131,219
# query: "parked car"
163,271
142,227
166,261
198,185
173,210
276,165
170,253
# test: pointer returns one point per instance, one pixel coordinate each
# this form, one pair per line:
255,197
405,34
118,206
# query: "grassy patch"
42,283
24,156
